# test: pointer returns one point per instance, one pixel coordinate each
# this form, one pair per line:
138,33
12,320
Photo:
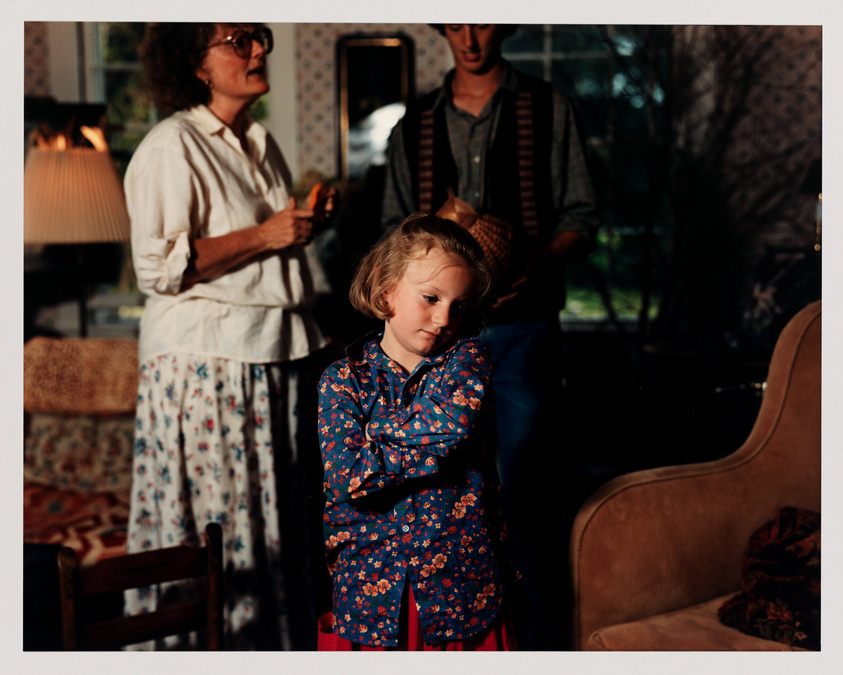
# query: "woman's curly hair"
170,54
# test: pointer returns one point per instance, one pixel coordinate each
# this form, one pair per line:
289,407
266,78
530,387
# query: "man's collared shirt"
470,138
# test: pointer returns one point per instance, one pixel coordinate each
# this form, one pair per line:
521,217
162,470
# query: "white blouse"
191,178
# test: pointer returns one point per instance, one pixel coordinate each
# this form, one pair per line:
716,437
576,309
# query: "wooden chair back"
79,585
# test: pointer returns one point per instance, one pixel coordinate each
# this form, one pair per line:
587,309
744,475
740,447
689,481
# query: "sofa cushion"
695,628
84,453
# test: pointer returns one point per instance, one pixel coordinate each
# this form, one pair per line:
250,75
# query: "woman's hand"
287,227
213,256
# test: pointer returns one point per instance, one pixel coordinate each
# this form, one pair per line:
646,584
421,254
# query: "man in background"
507,146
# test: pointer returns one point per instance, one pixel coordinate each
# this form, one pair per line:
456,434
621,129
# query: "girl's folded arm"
354,467
444,416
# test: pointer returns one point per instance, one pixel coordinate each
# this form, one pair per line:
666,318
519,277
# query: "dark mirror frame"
373,71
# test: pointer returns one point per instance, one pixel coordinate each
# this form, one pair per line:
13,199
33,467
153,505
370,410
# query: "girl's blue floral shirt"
420,501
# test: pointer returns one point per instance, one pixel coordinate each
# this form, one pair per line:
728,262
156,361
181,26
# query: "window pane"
629,40
126,114
636,98
533,67
124,93
585,78
120,41
528,38
578,39
585,82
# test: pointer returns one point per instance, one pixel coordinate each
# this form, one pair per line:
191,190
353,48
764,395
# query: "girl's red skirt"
497,637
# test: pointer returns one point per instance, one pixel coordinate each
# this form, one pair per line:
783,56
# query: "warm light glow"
95,137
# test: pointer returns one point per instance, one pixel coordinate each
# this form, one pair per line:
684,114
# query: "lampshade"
72,196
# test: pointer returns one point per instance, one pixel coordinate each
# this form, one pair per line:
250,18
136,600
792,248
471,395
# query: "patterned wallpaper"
745,229
315,51
36,63
774,98
781,134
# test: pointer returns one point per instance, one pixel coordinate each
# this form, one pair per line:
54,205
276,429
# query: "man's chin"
479,67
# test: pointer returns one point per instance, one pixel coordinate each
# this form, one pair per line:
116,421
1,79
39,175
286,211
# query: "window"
616,77
116,80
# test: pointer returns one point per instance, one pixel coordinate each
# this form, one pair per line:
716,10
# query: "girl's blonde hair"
383,267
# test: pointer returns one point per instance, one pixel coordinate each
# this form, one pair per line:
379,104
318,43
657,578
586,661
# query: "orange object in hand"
316,201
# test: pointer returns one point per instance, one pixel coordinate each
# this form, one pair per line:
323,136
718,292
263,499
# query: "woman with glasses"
226,398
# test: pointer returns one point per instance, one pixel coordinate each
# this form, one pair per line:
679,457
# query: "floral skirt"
229,442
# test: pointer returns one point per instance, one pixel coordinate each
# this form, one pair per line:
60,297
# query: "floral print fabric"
208,431
79,452
780,581
420,501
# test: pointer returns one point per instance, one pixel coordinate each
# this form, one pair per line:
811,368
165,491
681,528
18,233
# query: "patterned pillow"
780,581
79,452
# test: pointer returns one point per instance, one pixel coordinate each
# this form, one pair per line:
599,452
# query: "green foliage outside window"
616,78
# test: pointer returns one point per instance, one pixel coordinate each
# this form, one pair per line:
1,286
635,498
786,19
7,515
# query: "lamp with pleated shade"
72,195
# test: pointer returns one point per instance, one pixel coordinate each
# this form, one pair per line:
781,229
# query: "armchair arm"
662,539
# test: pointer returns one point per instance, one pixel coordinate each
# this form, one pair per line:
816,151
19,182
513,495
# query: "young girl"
415,541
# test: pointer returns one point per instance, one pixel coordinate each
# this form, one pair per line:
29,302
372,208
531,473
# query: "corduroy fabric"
692,629
664,539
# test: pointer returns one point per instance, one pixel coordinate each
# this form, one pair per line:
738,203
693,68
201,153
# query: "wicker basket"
494,235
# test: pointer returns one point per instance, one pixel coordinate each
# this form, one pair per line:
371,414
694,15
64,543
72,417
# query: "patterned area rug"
94,525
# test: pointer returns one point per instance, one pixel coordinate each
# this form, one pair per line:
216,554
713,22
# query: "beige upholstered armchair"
655,553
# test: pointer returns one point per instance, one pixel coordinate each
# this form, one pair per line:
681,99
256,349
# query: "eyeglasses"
242,40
